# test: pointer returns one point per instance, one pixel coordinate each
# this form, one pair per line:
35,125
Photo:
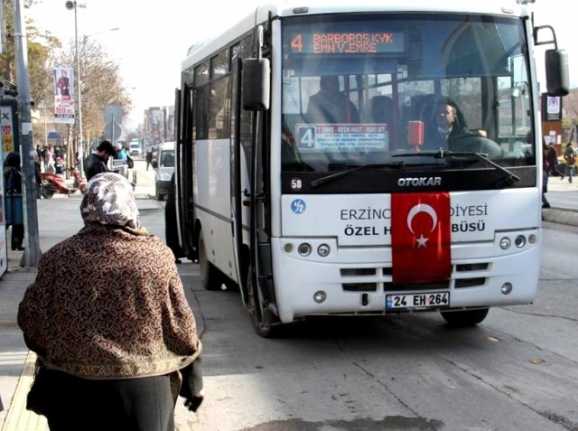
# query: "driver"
449,123
452,132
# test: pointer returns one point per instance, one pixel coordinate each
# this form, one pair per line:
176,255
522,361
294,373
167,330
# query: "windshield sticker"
342,137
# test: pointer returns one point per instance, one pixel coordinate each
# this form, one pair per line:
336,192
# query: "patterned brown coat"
108,303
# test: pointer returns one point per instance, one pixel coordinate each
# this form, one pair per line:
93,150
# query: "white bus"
367,159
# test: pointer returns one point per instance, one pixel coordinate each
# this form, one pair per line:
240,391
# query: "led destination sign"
342,42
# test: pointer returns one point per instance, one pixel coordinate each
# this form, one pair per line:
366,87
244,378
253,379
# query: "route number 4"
307,137
297,43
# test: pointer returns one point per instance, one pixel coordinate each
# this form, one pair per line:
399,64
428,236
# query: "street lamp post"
79,133
31,255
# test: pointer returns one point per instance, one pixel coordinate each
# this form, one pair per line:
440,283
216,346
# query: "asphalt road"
516,371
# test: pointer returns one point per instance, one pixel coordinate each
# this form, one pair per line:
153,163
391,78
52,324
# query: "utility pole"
79,134
80,148
32,250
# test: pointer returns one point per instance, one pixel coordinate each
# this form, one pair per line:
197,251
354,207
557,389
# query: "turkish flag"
420,237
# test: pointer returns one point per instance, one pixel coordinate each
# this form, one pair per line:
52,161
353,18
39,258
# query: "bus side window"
220,97
201,102
243,49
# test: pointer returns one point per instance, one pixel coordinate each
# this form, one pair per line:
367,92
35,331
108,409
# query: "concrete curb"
560,216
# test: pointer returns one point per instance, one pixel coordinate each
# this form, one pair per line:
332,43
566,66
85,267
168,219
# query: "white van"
165,169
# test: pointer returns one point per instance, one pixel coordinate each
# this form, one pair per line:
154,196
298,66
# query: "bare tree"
101,84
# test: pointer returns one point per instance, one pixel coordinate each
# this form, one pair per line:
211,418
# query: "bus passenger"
329,105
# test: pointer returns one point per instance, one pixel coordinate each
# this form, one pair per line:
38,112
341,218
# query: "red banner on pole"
421,237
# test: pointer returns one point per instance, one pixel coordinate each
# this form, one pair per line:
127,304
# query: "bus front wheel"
210,276
462,319
262,318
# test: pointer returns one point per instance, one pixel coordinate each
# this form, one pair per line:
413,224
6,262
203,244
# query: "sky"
153,36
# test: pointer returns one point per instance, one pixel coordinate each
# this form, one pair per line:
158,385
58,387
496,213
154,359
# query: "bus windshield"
361,89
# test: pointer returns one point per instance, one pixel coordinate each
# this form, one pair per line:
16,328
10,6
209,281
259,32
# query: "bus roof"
200,51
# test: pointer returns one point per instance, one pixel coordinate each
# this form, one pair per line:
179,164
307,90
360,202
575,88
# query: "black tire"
265,323
47,191
211,278
463,319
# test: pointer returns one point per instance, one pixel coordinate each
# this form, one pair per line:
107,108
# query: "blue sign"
298,206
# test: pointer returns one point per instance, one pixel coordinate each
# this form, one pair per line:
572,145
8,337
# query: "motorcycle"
52,183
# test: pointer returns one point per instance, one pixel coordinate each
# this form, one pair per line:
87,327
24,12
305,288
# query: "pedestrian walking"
96,163
570,161
108,318
149,158
552,159
13,200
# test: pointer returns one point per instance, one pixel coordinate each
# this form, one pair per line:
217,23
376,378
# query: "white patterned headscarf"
109,200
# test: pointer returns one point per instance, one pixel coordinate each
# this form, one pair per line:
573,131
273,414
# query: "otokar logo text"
420,182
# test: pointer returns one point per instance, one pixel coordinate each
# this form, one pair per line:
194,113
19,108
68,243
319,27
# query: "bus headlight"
520,241
323,250
320,296
507,288
505,243
304,249
532,239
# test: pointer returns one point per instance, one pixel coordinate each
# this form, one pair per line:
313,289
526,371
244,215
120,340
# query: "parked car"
135,148
164,169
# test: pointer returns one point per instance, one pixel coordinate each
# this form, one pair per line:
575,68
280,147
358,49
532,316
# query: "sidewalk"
563,197
16,367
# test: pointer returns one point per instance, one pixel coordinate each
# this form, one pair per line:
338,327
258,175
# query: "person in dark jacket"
149,158
171,233
13,199
96,162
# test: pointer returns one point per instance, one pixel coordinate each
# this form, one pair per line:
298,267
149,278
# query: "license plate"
417,301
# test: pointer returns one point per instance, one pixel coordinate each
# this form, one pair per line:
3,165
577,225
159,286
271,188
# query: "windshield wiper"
443,154
340,174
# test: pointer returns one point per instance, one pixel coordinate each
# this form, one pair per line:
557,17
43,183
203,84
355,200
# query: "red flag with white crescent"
421,237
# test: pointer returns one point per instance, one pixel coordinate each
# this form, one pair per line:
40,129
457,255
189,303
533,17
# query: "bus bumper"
479,271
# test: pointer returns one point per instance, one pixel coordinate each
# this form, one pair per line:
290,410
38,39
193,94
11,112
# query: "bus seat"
381,110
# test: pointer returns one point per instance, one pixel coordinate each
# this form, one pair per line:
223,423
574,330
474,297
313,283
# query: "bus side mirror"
256,84
557,78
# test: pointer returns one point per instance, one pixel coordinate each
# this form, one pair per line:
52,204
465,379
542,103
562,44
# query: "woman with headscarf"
108,318
13,199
